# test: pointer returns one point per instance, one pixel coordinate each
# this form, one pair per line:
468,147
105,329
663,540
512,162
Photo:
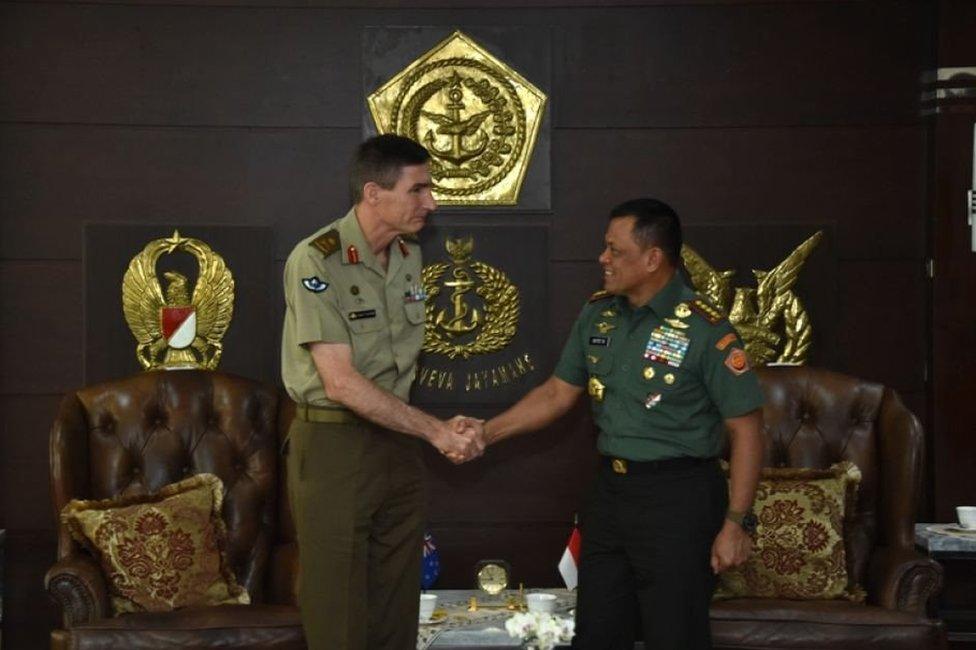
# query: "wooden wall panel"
800,64
54,178
25,421
868,180
41,347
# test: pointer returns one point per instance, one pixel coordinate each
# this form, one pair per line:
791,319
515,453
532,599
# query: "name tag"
600,340
365,313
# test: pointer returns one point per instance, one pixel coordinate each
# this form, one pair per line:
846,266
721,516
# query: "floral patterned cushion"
160,551
799,549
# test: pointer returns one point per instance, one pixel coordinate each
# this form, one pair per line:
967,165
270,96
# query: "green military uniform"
661,378
358,492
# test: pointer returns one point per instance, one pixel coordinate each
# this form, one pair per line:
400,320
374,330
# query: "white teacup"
541,602
967,516
427,604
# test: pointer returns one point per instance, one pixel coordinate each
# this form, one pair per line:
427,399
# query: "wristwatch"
746,519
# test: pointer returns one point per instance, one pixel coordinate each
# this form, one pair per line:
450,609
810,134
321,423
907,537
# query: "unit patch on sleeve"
315,284
667,345
737,361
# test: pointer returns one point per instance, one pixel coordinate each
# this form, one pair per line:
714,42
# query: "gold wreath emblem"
770,318
449,331
476,116
174,331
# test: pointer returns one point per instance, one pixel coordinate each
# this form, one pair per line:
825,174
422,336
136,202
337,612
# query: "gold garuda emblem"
770,318
482,312
477,117
172,330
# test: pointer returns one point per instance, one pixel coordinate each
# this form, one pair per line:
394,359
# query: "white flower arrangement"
540,630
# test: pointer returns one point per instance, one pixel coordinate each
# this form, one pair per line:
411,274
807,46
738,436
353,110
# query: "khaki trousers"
359,499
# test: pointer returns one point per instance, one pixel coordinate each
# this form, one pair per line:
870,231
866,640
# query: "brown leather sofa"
140,433
815,418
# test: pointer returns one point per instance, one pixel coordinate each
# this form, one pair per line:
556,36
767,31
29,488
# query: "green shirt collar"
663,302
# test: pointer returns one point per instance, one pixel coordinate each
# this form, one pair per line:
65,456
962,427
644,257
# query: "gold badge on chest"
595,389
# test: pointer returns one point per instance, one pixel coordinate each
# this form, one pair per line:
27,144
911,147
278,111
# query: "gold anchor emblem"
458,129
449,331
456,325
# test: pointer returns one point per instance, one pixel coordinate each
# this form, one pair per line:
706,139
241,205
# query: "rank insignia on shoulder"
364,313
726,340
608,313
604,327
737,361
706,311
600,295
327,243
314,284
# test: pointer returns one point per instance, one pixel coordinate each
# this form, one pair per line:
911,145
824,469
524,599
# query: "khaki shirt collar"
351,233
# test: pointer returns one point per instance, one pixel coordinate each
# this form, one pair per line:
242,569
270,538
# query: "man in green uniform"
666,374
354,325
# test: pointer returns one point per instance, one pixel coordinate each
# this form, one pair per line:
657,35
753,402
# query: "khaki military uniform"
662,378
358,492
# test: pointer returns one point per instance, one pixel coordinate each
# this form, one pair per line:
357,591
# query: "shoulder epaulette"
706,311
327,242
599,295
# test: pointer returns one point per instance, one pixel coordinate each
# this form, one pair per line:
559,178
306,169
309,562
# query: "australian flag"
431,567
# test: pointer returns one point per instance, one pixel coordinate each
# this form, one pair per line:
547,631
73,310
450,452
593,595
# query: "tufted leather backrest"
137,434
815,418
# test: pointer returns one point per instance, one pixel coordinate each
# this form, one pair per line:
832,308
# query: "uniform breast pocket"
415,313
598,363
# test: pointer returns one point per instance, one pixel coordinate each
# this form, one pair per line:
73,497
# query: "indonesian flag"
567,565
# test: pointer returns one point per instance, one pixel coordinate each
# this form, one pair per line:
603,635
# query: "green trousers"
359,499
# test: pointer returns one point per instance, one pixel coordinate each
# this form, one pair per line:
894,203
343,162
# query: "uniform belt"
624,466
311,413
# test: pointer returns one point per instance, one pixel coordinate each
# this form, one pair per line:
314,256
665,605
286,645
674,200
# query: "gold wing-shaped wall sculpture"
171,330
770,318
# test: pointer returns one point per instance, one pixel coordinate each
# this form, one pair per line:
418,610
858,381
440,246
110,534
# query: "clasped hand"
461,439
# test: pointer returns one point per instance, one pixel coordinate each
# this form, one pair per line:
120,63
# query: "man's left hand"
731,547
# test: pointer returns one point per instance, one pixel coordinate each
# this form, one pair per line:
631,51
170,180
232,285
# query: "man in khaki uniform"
666,374
354,325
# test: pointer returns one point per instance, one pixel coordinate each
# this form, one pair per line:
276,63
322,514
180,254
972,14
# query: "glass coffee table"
454,627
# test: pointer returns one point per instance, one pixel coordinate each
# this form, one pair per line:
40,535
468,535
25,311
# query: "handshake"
459,439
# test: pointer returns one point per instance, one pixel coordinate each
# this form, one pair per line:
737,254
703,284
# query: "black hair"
656,224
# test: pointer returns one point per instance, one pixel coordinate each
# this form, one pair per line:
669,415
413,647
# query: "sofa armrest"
77,585
903,579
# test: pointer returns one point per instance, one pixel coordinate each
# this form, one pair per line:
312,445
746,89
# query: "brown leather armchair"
138,434
815,418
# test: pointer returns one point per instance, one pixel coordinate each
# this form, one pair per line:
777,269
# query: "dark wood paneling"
25,500
868,180
886,342
41,346
171,65
55,178
800,64
533,551
29,614
659,66
537,476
